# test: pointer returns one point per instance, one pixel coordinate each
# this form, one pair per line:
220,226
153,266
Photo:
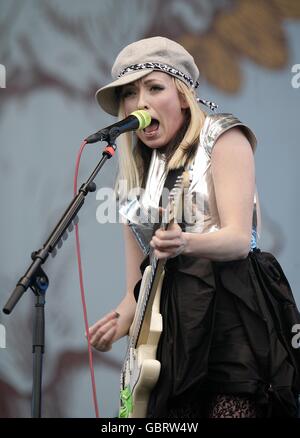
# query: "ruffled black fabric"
227,330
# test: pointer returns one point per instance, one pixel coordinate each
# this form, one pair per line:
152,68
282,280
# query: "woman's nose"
142,101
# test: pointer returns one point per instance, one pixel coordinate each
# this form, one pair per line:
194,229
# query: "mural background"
56,54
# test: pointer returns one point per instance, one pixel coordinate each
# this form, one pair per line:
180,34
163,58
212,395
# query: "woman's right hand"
102,333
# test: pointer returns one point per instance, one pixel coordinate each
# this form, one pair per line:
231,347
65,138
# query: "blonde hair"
132,168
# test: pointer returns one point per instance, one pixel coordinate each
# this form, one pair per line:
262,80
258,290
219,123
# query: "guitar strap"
171,177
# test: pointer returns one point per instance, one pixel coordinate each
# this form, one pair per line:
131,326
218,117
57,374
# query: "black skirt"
227,329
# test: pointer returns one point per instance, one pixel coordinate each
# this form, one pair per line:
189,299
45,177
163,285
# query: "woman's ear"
183,102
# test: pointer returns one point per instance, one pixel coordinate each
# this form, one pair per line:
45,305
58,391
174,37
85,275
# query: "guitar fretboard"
156,267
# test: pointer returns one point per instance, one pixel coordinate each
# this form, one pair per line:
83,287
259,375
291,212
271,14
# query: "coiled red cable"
84,308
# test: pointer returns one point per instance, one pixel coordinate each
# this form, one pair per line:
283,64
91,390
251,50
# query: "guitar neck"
145,301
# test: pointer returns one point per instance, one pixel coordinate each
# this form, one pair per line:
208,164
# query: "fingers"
103,338
172,232
103,331
104,341
171,238
165,244
109,317
167,253
167,240
168,243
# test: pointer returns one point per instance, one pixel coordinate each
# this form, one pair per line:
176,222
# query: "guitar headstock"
175,207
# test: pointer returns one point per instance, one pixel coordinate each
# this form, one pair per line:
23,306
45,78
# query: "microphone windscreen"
143,117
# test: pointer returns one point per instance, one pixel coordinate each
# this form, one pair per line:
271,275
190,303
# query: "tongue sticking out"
153,126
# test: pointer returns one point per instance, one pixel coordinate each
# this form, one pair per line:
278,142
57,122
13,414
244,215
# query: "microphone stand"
36,279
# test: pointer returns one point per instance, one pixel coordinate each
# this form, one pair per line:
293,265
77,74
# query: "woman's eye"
131,92
156,87
127,93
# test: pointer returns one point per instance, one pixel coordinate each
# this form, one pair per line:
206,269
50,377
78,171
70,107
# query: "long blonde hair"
134,157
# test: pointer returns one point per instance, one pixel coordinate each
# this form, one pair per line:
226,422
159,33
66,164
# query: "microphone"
135,121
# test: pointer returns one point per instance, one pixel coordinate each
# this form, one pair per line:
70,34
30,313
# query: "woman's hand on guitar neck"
168,243
102,333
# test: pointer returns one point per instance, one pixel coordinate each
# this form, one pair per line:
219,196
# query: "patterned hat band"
211,105
172,71
159,66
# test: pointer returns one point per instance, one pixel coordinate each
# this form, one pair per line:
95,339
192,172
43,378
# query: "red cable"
82,289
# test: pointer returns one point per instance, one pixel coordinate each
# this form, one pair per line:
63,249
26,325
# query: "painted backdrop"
54,54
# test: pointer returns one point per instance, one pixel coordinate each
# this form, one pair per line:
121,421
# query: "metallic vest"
141,212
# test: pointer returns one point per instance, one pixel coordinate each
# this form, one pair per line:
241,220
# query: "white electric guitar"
141,369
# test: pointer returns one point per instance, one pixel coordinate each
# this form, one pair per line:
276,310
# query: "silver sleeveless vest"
141,212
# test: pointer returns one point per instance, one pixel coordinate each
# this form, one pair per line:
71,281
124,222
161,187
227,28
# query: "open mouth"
154,125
